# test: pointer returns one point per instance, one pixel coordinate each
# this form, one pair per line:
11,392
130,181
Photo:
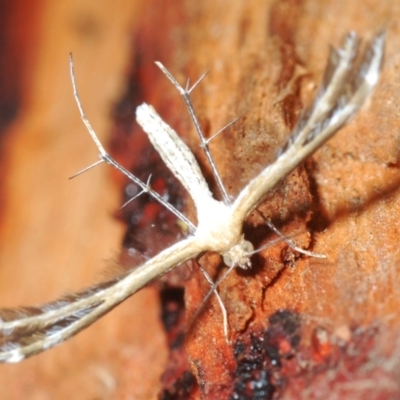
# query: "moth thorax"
239,255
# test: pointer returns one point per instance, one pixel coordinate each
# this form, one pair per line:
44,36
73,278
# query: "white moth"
346,85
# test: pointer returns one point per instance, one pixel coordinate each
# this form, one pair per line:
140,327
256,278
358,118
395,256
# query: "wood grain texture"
301,328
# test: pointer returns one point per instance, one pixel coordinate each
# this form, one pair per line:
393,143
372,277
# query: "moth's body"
24,332
218,227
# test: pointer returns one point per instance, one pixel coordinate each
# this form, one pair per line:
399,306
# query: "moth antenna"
185,93
105,157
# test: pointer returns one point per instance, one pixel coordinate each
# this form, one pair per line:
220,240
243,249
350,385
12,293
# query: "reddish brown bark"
300,327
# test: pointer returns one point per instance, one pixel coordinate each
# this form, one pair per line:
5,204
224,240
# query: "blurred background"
266,59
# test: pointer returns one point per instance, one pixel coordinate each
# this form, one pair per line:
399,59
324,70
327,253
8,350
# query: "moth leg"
204,143
105,157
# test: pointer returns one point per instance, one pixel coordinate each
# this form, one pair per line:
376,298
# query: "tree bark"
299,327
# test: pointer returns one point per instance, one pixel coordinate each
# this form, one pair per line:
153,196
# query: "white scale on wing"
175,153
216,226
182,163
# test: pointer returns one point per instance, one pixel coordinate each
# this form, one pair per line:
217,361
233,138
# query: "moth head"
239,255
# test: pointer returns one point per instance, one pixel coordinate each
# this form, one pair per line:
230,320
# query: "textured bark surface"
299,327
